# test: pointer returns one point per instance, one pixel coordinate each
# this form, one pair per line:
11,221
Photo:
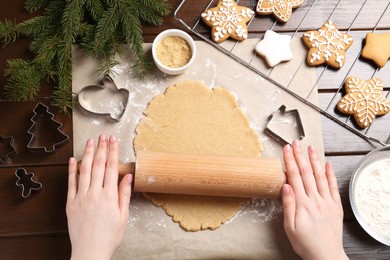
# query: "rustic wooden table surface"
36,228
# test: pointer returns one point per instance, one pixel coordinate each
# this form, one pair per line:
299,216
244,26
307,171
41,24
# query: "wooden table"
36,228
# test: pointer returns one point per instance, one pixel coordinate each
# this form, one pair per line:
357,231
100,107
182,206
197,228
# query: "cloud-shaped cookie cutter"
285,125
104,99
27,182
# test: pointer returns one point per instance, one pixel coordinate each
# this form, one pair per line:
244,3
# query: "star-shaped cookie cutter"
7,148
27,182
285,125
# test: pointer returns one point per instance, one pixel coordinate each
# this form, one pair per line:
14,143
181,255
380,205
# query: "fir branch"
35,26
71,19
8,31
100,27
105,29
106,67
34,5
24,81
95,9
160,7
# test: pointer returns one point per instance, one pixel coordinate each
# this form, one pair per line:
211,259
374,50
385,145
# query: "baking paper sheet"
256,232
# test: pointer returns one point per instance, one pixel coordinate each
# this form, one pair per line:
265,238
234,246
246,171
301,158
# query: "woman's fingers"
86,166
332,183
305,170
289,208
125,195
99,163
320,177
111,177
72,178
292,171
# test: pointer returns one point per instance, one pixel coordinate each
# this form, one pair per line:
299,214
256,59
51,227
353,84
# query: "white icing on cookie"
364,100
275,48
282,9
329,42
227,18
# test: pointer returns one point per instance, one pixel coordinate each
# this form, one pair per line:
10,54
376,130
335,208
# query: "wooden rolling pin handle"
208,175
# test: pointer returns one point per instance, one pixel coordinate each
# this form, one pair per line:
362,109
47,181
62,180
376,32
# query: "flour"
373,196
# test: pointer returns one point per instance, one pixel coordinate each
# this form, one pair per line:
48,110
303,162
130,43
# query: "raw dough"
191,118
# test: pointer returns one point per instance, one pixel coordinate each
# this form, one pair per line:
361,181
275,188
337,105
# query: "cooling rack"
354,17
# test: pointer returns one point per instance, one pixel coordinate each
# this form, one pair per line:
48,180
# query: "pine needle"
99,27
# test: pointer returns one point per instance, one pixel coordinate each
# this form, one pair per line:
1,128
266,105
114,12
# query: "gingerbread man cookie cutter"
27,182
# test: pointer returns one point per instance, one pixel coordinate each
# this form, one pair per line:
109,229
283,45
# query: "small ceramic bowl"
370,178
173,32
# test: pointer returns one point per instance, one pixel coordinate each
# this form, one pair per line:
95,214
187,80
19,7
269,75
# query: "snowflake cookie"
327,45
281,9
364,100
228,20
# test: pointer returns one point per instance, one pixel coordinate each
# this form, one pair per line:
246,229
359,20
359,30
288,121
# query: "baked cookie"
377,48
327,45
275,48
281,9
228,20
364,100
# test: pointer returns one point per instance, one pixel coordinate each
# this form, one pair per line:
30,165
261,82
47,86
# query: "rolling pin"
206,175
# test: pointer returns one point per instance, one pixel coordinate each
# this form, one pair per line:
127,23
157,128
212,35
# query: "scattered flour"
373,196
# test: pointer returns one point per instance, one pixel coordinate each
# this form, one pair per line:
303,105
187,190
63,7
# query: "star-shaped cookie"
327,45
364,100
275,48
377,48
228,19
281,9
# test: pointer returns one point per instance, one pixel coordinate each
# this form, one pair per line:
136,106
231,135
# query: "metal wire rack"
301,25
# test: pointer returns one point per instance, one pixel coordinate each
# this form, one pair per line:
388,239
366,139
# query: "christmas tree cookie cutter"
27,182
285,125
6,148
45,131
104,99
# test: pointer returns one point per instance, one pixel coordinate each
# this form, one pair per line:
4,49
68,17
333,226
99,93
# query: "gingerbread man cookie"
364,100
377,48
228,20
281,9
327,45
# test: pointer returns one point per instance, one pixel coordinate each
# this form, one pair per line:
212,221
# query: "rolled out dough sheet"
256,232
192,118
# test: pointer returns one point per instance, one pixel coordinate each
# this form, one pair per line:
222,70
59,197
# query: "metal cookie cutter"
27,182
45,131
285,125
104,99
6,148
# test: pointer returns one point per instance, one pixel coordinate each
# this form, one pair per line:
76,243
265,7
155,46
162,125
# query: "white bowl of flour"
369,194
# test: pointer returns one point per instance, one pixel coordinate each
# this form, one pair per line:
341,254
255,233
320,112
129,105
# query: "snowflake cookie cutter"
45,131
6,148
285,125
104,99
27,182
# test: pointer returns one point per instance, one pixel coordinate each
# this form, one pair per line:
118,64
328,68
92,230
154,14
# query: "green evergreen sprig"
101,27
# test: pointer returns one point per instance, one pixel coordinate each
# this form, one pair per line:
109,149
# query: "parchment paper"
256,232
